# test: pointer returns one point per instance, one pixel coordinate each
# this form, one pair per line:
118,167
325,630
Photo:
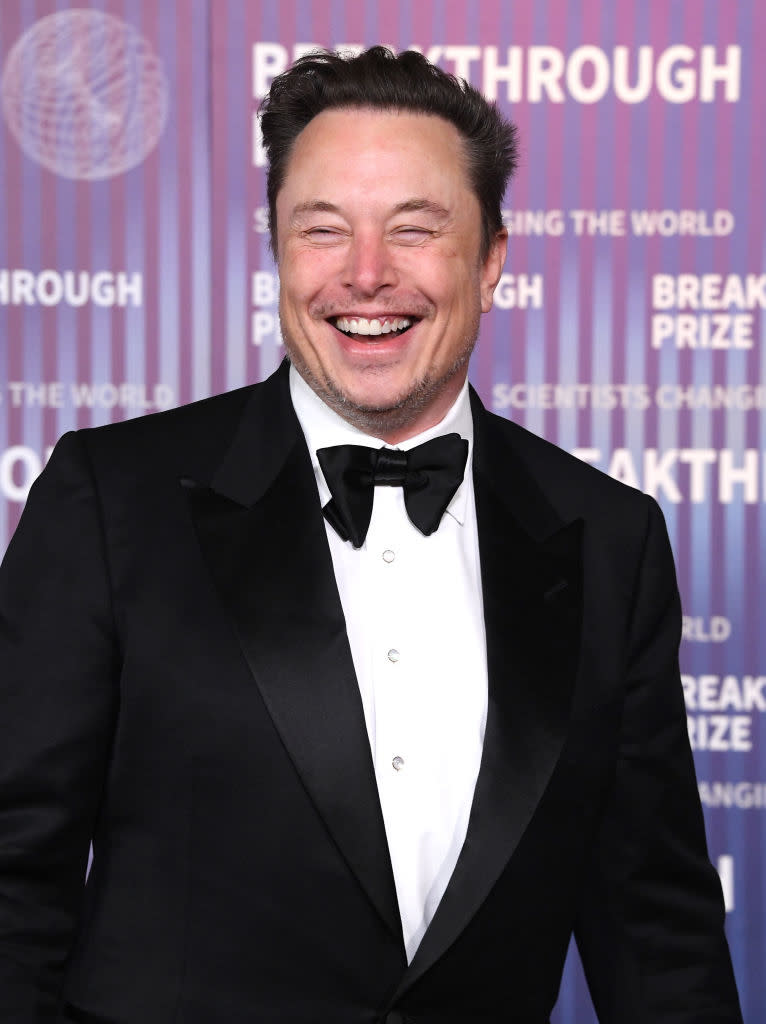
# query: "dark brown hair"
380,79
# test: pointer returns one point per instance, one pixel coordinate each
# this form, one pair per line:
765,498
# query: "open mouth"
374,327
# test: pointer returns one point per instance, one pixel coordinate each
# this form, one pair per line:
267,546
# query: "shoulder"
191,439
198,423
130,461
573,487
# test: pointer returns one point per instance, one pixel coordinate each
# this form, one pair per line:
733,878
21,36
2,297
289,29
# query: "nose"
369,264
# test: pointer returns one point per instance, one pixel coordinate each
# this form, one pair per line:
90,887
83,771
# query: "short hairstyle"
383,80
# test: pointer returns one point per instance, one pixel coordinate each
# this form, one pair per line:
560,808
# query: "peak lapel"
532,587
262,533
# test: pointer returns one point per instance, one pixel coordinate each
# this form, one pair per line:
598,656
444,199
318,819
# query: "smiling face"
381,277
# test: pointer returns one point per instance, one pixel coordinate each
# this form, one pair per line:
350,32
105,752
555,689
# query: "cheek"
455,280
308,283
303,274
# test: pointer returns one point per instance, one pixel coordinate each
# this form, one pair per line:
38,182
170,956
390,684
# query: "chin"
376,400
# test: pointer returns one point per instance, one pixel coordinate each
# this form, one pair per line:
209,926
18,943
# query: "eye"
412,234
323,234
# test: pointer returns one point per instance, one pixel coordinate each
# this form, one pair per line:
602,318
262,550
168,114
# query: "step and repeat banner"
628,326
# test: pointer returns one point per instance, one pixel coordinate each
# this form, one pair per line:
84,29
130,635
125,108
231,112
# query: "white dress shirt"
414,616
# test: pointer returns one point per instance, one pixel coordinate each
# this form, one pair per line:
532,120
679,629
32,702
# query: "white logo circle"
84,94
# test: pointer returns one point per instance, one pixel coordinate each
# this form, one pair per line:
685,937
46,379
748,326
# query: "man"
376,764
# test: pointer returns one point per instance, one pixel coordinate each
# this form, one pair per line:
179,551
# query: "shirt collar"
323,427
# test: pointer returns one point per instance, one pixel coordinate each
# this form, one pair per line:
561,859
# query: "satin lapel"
263,537
532,587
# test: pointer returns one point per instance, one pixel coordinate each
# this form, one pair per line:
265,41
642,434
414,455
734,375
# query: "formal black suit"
177,684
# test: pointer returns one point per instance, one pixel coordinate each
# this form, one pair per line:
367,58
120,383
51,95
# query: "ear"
492,268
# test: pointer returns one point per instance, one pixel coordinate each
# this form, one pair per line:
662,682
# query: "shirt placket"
387,548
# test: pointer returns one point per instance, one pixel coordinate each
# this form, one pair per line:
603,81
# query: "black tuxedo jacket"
177,685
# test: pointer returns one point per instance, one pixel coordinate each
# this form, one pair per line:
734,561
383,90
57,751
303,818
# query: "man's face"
382,282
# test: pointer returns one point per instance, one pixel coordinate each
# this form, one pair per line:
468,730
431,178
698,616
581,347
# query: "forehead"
377,152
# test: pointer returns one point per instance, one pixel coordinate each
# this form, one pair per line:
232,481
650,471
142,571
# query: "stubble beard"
395,416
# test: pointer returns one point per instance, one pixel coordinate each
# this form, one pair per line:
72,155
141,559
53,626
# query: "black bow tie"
429,475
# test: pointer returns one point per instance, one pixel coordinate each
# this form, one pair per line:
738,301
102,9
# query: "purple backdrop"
135,275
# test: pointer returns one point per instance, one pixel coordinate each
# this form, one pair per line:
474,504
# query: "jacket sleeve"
58,668
650,929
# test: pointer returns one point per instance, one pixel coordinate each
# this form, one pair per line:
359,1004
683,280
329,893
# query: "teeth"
360,325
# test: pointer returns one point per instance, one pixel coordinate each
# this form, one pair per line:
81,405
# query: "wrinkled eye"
412,234
323,233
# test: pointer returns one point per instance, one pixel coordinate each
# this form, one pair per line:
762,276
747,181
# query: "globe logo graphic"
84,94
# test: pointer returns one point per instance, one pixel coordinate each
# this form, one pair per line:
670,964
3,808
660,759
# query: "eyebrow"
314,206
426,205
407,206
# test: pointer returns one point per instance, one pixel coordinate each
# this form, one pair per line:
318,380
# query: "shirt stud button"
393,654
388,555
397,763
